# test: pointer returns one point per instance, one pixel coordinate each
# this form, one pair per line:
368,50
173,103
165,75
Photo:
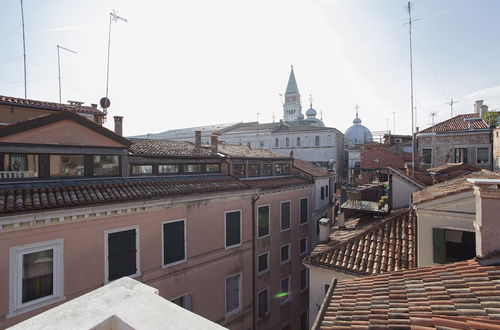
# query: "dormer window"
16,166
239,170
67,165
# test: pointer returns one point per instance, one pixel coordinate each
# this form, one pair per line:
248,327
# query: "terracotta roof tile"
245,152
277,182
153,147
457,123
49,105
310,168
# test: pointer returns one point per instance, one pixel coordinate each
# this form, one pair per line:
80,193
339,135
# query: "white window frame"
290,224
282,262
268,269
241,232
163,244
240,293
16,306
288,296
268,222
301,253
268,312
300,211
307,279
137,253
182,296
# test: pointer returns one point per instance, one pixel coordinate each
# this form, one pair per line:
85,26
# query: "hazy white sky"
186,63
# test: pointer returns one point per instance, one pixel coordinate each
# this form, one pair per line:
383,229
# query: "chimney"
118,124
93,105
483,110
341,220
197,139
477,106
214,141
324,230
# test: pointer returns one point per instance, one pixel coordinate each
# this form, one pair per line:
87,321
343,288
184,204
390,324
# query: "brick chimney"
214,140
197,139
118,124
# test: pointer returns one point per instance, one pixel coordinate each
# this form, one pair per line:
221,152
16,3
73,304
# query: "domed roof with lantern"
311,116
357,134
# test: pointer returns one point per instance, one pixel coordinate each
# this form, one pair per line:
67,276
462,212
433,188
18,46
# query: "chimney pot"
118,124
214,140
197,139
477,106
94,105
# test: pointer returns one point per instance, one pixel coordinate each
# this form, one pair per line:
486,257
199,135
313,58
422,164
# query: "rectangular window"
461,155
303,321
483,156
142,169
303,246
233,229
427,156
263,263
18,166
263,221
192,168
284,294
66,165
212,168
263,299
285,216
122,254
37,275
267,169
303,210
322,193
184,301
327,190
282,169
106,165
254,170
168,169
285,254
303,278
174,242
233,294
239,170
452,245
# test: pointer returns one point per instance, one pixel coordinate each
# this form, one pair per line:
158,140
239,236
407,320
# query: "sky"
178,64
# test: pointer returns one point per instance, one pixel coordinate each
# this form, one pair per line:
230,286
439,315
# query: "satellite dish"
105,103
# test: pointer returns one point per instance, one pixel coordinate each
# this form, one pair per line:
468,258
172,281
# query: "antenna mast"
24,51
451,103
59,67
411,96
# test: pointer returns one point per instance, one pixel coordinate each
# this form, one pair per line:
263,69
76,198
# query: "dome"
357,134
311,112
300,116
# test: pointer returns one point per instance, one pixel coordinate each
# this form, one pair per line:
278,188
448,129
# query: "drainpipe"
254,261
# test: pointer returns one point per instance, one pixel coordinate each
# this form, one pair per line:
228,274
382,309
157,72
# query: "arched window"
276,143
287,142
316,141
298,142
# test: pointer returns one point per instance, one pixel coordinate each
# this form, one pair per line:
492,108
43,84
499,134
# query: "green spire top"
292,88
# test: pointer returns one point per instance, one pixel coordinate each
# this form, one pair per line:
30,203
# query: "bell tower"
291,107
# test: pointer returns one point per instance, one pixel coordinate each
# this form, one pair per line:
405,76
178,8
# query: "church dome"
311,112
357,134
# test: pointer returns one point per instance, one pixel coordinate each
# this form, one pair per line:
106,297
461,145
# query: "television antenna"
451,103
59,66
24,51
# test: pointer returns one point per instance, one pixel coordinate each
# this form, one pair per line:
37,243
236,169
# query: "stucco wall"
401,192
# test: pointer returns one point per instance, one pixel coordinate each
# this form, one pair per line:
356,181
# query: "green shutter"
439,245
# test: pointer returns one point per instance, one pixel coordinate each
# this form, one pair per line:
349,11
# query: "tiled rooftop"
152,147
309,168
450,187
277,182
387,245
457,123
49,105
451,167
244,152
461,295
30,196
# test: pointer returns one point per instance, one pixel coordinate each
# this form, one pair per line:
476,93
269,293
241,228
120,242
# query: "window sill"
173,264
34,306
285,230
232,313
264,272
232,246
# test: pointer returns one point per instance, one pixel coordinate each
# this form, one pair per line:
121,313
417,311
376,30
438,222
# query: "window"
276,143
168,168
121,254
263,263
287,142
322,193
303,210
285,216
316,141
303,246
461,155
483,155
239,170
183,301
267,169
298,142
452,245
263,298
15,166
37,271
261,144
303,278
106,165
212,168
142,169
174,242
254,169
327,190
233,297
233,229
284,294
285,254
263,221
303,321
427,156
192,168
282,168
66,165
327,287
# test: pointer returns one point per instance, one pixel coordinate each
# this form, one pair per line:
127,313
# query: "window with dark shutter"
263,217
232,294
173,242
303,321
303,210
263,303
233,232
326,190
122,254
263,260
285,253
285,290
303,278
285,215
439,245
322,193
303,246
